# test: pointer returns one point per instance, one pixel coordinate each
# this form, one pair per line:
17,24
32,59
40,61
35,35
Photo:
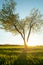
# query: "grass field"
14,55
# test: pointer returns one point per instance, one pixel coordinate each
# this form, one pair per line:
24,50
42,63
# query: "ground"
14,55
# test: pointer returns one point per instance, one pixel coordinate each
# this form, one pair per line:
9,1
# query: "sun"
32,40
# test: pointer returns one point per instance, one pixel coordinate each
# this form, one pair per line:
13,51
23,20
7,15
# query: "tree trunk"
25,46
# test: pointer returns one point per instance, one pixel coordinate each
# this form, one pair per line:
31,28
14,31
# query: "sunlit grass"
14,55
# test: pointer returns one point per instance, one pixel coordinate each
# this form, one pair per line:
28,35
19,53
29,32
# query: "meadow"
15,55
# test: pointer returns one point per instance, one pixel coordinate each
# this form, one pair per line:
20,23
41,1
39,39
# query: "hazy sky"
23,7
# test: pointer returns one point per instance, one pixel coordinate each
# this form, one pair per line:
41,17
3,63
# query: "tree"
10,21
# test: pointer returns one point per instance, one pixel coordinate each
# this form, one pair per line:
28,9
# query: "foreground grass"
14,55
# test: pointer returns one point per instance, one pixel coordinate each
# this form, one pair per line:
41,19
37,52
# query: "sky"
23,7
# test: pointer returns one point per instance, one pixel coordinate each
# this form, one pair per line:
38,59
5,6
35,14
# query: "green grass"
14,55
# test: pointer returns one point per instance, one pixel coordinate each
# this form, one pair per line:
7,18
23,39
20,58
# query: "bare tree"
10,21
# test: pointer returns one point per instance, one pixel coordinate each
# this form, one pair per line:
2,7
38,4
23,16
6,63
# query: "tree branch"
33,18
18,31
24,34
29,33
